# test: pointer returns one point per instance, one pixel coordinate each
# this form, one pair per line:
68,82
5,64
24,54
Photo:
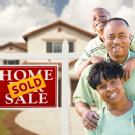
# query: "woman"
117,118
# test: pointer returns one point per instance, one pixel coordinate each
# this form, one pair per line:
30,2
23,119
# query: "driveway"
48,121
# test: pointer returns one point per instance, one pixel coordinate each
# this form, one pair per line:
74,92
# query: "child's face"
112,90
98,18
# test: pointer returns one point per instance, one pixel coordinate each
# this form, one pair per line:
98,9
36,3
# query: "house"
48,39
12,47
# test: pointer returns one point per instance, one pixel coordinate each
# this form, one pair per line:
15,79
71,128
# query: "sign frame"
56,91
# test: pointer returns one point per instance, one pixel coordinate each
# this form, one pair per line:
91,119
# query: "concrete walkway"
48,121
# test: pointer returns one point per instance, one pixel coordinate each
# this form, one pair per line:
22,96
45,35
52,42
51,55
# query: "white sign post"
65,89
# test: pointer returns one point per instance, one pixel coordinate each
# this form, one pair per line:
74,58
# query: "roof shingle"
20,45
62,23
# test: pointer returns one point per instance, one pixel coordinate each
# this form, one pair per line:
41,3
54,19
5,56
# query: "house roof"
48,63
19,45
62,23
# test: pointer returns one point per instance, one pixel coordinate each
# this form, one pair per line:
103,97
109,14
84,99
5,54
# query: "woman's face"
112,90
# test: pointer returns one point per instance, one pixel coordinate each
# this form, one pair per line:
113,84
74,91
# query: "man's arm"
88,115
85,97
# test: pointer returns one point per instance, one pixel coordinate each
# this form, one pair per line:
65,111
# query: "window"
11,62
71,46
56,47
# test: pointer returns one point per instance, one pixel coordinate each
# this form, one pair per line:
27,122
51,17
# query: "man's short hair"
108,70
117,19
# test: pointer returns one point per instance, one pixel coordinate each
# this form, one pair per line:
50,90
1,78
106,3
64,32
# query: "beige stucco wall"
14,50
37,42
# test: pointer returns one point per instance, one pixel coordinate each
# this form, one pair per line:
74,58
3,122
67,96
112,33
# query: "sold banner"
28,86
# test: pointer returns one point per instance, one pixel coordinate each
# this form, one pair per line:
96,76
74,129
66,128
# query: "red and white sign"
22,80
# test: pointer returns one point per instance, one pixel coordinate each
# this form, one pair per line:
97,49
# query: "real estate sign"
28,86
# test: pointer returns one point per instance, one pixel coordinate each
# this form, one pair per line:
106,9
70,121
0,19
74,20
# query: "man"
96,49
117,39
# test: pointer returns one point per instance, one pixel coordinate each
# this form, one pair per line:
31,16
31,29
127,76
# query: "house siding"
14,50
37,42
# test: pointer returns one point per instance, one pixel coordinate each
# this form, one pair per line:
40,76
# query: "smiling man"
117,40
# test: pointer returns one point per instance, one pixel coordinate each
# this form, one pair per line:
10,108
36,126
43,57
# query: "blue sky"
59,5
18,17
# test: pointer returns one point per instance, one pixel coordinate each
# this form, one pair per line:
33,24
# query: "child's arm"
128,68
92,53
91,60
132,44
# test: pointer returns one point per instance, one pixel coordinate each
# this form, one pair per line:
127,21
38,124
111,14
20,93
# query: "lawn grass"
3,130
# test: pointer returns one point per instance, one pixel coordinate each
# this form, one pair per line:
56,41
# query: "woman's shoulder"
133,108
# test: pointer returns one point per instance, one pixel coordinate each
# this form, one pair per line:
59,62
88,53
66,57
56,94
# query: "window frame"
53,46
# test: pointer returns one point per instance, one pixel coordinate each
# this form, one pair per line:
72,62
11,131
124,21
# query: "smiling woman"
117,117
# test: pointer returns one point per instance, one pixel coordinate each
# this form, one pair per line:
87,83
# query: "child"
117,118
95,49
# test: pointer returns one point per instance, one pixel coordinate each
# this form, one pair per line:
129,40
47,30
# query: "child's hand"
96,59
128,68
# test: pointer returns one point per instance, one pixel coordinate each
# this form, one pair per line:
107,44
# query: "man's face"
112,90
117,38
98,19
